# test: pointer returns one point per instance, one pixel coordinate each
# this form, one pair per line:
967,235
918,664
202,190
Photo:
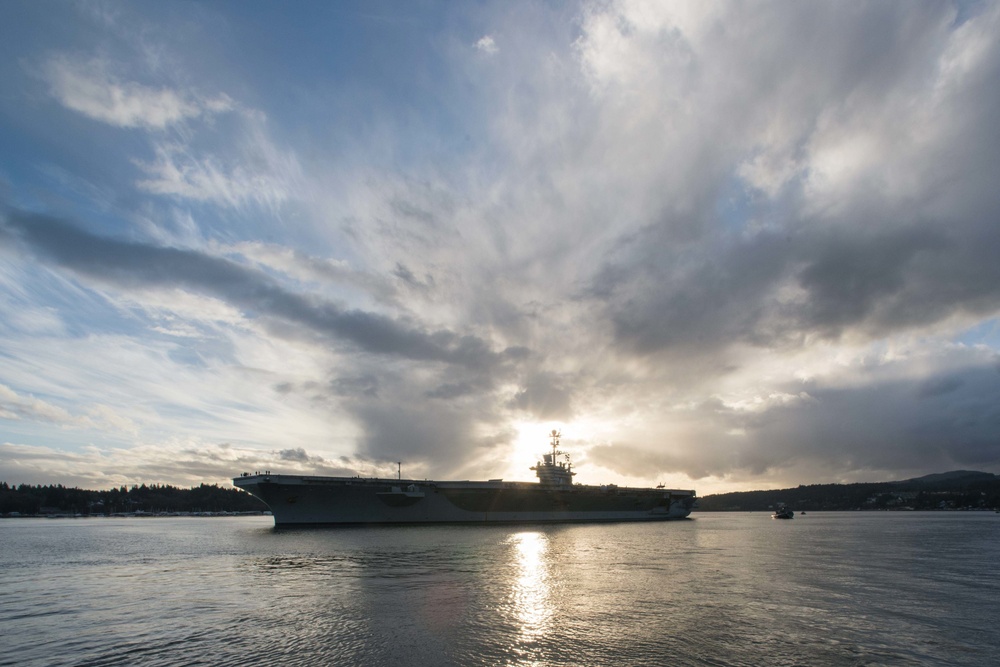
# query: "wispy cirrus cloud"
31,409
91,87
15,406
245,168
254,173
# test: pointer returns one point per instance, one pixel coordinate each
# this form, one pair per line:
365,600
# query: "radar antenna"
551,470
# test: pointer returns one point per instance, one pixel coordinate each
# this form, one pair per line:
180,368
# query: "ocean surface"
860,588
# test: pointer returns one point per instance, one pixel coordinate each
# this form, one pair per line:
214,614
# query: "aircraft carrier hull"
302,500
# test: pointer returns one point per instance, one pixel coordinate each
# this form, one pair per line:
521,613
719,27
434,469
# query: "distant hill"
959,489
953,476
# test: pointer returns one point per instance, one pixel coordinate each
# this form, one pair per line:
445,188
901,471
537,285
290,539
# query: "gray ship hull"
302,500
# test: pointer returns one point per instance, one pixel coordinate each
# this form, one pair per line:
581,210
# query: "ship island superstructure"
299,500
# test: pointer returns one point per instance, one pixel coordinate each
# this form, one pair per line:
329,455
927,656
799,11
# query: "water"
721,589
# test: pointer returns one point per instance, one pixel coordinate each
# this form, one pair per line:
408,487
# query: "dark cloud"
701,299
938,386
414,432
432,420
407,276
298,454
660,295
827,433
366,385
133,265
451,390
643,462
875,213
851,278
544,396
885,425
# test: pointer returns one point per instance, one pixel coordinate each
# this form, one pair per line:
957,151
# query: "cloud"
545,397
98,417
398,408
91,88
396,290
709,255
777,289
183,462
487,45
130,264
251,171
851,233
876,421
13,406
298,454
247,168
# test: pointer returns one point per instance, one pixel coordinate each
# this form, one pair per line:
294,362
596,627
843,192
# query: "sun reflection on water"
531,606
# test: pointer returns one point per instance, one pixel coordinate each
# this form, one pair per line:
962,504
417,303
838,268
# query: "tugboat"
783,512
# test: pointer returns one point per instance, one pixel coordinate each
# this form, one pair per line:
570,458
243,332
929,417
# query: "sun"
531,442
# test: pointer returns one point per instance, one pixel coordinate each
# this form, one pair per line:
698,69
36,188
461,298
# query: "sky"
720,246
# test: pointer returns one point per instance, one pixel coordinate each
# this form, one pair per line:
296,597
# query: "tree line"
971,491
28,500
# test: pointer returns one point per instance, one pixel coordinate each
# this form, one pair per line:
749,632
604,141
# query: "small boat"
783,513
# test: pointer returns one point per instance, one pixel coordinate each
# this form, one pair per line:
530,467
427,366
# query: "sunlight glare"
530,590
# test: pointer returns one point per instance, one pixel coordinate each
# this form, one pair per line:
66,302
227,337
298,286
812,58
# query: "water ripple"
724,589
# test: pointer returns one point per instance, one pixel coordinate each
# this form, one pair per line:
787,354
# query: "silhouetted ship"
783,512
304,500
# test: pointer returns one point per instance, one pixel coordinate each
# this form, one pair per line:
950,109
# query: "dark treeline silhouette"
946,491
32,500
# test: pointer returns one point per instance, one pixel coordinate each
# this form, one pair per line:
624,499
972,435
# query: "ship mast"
551,471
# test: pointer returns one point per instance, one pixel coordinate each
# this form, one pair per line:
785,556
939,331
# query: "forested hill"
28,500
961,489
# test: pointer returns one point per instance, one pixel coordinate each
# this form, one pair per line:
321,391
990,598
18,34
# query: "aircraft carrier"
301,500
